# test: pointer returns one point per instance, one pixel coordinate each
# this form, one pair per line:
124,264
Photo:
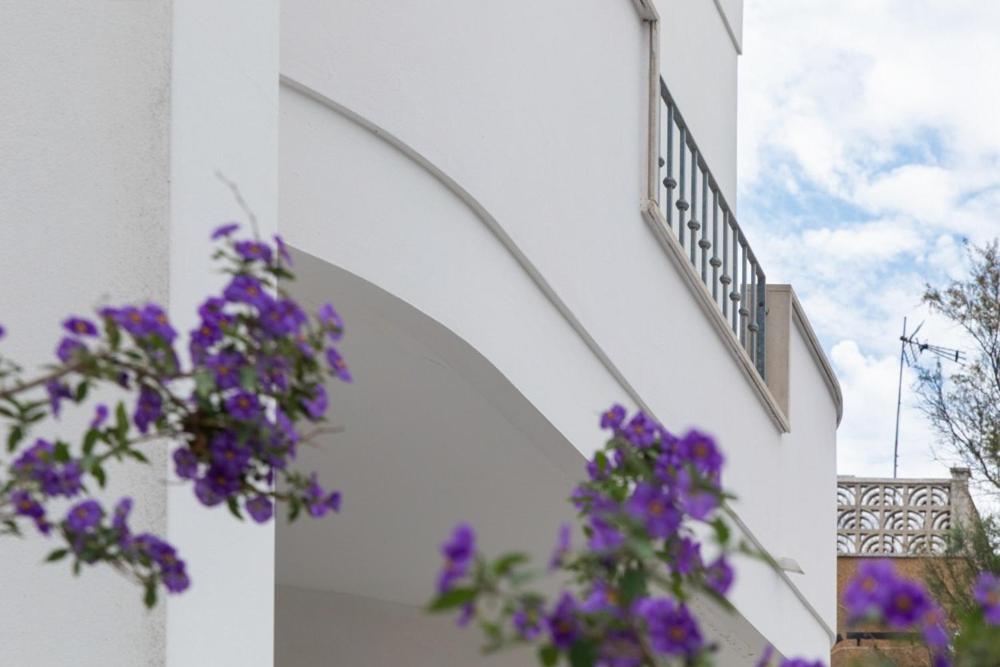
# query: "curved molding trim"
658,224
729,28
532,271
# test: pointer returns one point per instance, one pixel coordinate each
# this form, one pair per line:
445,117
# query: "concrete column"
223,118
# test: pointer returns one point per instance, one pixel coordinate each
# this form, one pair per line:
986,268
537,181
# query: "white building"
478,187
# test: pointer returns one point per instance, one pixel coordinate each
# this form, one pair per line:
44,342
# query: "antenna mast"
916,348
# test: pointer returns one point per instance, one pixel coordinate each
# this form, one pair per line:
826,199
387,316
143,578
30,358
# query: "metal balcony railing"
706,228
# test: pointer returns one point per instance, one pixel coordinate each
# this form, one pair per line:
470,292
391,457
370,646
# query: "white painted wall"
116,116
451,248
83,220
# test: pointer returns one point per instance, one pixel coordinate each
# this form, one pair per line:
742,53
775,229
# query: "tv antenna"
910,349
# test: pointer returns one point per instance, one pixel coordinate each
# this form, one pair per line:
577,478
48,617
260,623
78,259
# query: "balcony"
704,225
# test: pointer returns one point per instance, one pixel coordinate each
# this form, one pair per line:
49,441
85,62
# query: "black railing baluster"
682,205
726,279
693,223
744,311
669,181
734,294
703,243
715,247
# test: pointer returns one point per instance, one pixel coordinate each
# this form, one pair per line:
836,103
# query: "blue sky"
869,150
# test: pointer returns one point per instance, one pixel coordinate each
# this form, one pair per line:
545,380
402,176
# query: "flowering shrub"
253,370
627,599
878,594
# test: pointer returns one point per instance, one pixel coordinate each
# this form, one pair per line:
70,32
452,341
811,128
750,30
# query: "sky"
869,152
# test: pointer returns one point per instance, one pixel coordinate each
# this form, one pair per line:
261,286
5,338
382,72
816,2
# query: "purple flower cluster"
877,593
38,464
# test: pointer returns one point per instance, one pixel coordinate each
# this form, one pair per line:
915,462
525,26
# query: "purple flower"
207,334
466,615
206,496
613,417
155,321
458,553
272,373
908,602
100,415
719,576
254,250
697,502
282,317
933,628
641,430
69,481
331,321
243,406
528,622
802,662
765,657
228,454
84,516
687,556
318,502
246,289
148,409
603,597
279,243
655,508
987,594
260,508
221,482
211,310
224,230
672,629
176,580
338,364
315,407
25,505
604,536
561,548
68,349
56,391
701,450
3,332
868,592
620,648
80,326
226,368
563,625
185,463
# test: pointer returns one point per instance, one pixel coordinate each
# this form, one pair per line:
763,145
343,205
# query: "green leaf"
121,421
90,440
14,437
58,554
248,378
61,453
204,383
506,563
99,474
548,655
583,654
456,597
633,585
113,332
150,597
81,391
137,455
234,507
722,532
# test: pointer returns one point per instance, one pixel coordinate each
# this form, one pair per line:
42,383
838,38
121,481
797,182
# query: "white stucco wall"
83,221
116,117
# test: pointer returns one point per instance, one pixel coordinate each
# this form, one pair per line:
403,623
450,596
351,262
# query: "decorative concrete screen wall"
899,517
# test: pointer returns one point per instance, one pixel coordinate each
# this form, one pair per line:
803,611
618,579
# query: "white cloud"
870,127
